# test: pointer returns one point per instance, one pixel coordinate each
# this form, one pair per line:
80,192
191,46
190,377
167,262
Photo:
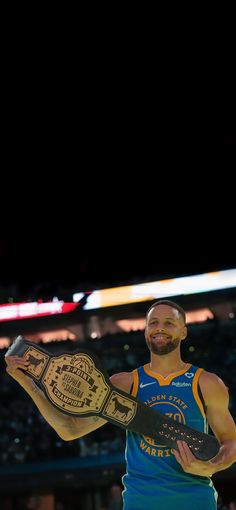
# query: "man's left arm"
222,424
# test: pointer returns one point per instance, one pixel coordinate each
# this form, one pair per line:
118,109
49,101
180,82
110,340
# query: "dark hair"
169,303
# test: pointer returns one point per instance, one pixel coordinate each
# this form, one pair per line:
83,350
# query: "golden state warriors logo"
74,384
171,406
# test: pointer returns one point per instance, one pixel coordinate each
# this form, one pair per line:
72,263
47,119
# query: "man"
158,477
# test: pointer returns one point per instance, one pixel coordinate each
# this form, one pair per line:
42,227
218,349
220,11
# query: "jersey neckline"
165,380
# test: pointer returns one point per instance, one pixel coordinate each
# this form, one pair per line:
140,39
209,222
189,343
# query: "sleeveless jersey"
154,479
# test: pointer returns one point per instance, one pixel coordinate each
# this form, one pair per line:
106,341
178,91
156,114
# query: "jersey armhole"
196,394
134,387
201,397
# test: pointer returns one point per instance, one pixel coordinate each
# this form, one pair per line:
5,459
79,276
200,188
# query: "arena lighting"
4,342
192,317
15,311
206,282
55,335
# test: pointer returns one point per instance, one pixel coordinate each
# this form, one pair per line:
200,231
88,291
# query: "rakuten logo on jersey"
181,384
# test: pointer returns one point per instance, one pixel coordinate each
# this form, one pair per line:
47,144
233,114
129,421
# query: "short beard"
163,349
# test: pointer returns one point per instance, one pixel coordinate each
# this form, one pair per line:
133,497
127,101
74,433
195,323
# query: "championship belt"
77,384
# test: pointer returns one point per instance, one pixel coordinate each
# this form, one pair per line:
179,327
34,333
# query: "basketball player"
158,477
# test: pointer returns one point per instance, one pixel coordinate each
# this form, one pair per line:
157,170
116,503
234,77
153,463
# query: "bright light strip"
34,309
117,296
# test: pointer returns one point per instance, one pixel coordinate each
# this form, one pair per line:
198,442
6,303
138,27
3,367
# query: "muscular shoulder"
123,381
212,387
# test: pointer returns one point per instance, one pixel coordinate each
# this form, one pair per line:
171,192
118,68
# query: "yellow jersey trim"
135,383
195,391
165,381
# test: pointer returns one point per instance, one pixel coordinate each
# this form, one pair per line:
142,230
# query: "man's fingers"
185,453
177,456
15,359
14,362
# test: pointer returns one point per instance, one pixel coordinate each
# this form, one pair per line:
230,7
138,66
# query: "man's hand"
192,465
67,427
14,363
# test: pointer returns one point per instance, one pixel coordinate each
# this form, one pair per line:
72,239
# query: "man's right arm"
67,427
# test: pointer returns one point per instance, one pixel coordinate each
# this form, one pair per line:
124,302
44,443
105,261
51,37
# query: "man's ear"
184,333
145,333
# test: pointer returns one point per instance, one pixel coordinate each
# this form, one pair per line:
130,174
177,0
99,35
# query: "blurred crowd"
26,437
110,499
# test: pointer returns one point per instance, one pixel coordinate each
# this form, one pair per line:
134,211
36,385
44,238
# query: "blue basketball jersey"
154,479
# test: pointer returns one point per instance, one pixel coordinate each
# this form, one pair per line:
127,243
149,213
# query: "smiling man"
158,477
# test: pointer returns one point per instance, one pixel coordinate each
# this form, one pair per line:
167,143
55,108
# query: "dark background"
144,204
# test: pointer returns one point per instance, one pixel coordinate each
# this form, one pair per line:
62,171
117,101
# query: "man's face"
164,330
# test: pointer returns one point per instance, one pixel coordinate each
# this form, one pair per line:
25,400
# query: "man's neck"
166,364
